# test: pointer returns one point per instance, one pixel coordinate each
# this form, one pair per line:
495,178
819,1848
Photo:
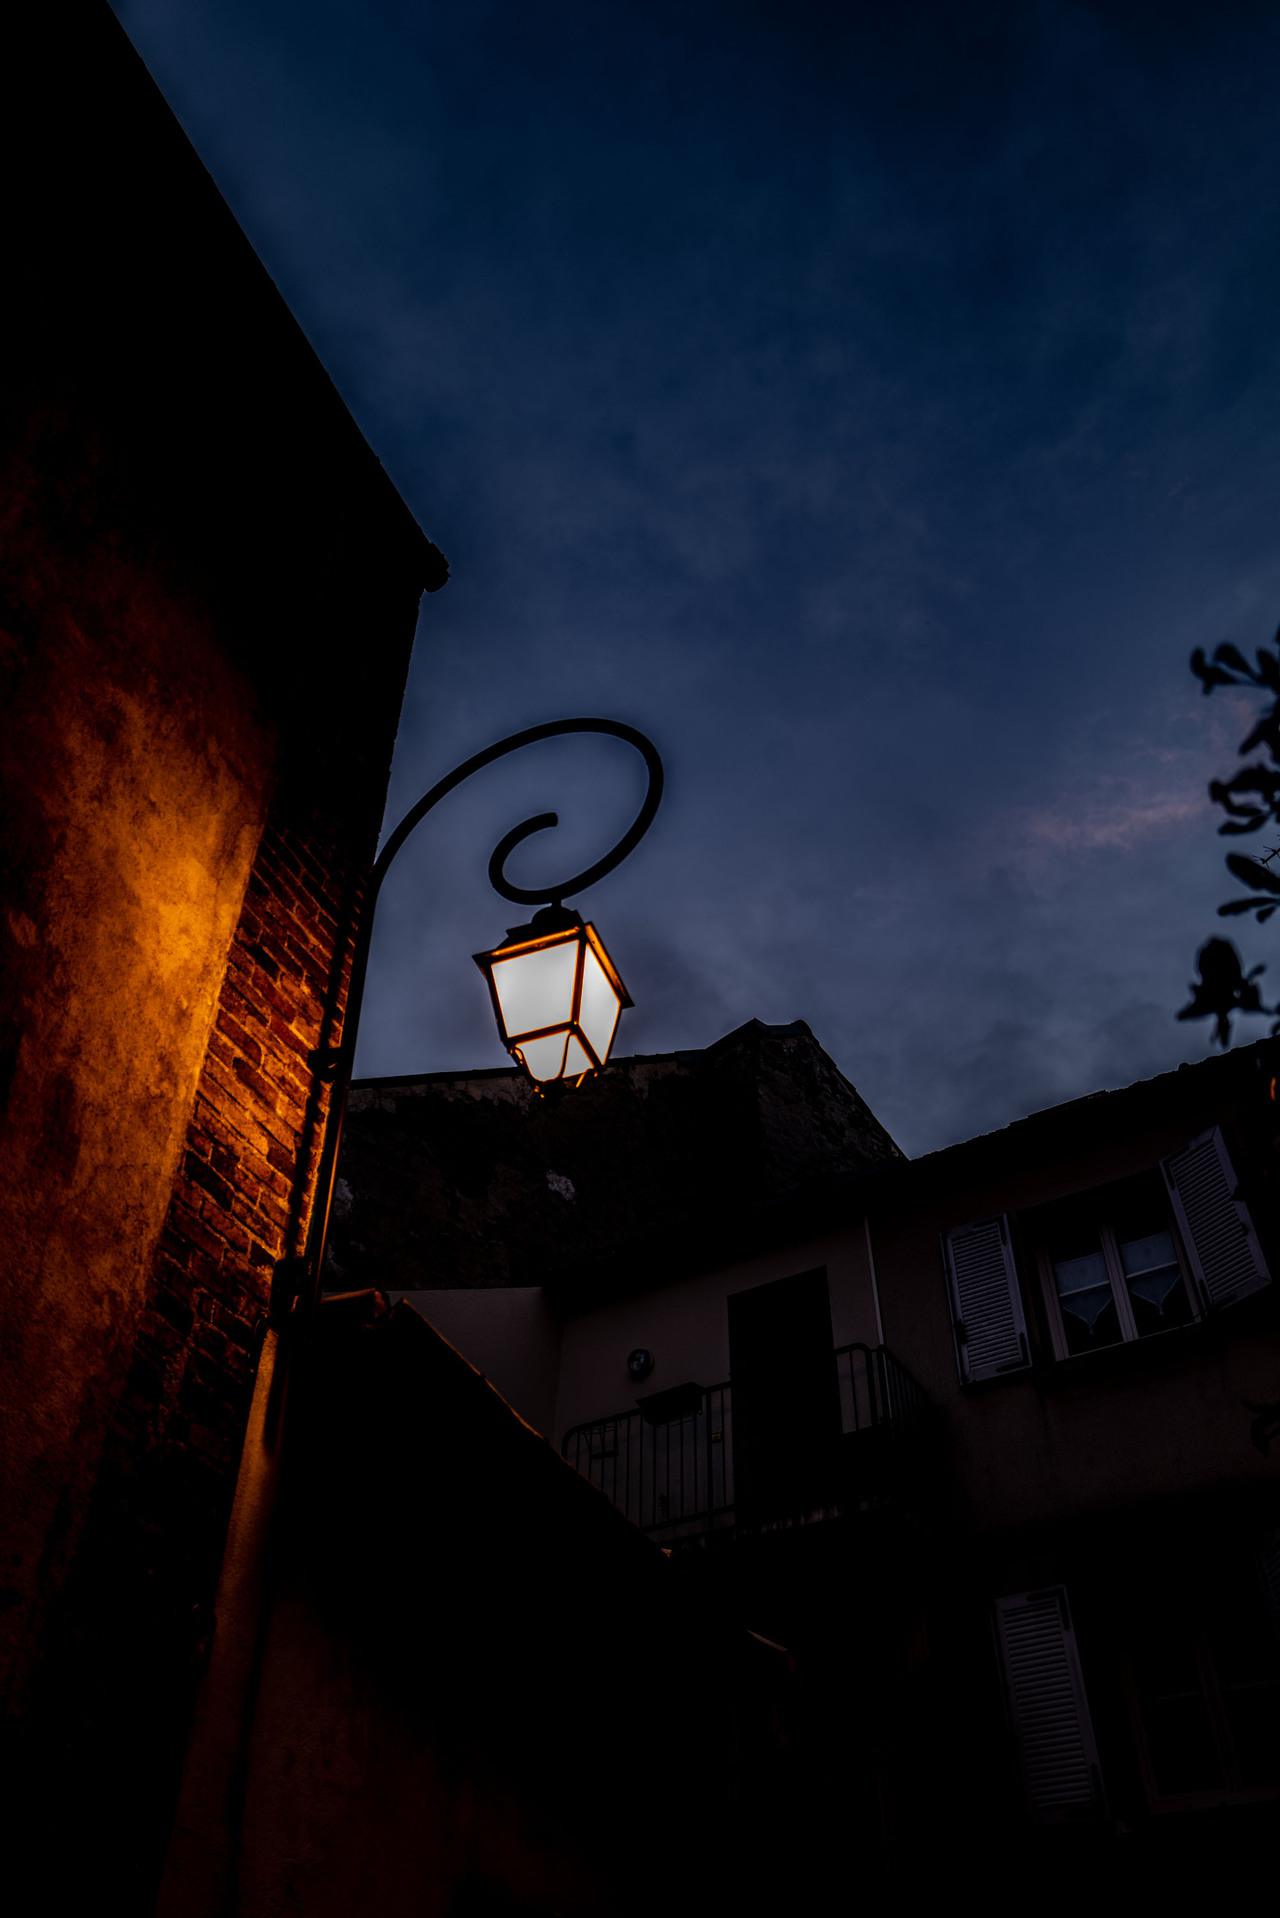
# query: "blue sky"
876,405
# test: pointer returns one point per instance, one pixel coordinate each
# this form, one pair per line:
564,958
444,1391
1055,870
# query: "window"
1117,1264
1117,1278
1205,1673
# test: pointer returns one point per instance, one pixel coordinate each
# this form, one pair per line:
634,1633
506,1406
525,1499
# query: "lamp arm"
553,729
337,1064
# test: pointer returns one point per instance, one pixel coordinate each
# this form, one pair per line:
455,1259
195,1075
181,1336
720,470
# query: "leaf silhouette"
1249,779
1250,872
1248,799
1222,989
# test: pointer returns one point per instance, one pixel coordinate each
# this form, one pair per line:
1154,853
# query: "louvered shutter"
1216,1229
986,1305
1047,1704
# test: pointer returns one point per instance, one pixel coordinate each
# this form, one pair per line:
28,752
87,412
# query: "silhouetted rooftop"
472,1179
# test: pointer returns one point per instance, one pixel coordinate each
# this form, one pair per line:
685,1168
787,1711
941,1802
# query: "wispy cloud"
1118,818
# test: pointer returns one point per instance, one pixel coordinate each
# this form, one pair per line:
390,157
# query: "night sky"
875,404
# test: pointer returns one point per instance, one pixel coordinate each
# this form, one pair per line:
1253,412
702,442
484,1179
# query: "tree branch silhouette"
1249,799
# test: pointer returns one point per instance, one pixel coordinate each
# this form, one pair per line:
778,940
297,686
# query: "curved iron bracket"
334,1065
553,729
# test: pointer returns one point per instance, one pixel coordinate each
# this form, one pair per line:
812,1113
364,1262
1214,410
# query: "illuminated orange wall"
135,777
208,591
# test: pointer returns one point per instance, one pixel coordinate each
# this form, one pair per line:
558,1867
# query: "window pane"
1156,1290
1175,1713
1245,1652
1089,1316
1253,1713
1143,1252
535,989
1180,1744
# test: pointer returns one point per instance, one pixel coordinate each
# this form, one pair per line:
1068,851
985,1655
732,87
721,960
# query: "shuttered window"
1048,1709
986,1305
1217,1232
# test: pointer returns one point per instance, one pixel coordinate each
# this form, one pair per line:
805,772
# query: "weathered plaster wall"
686,1325
510,1334
1135,1422
134,775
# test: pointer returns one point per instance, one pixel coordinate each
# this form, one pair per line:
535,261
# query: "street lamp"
557,996
556,992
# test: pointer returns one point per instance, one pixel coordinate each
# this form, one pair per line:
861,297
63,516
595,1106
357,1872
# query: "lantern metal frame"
555,926
299,1280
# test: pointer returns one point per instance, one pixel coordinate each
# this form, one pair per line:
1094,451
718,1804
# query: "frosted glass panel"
598,1016
576,1060
544,1058
535,989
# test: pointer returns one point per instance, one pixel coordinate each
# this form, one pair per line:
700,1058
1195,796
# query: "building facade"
987,1440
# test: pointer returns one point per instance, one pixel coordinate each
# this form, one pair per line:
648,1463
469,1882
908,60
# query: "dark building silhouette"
474,1179
479,1688
989,1440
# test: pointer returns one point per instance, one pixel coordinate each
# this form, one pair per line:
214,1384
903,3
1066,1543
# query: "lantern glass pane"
535,989
599,1007
544,1058
576,1059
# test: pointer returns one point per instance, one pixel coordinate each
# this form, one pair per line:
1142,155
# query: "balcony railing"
668,1465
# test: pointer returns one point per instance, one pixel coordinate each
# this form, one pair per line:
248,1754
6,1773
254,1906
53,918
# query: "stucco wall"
686,1326
508,1333
1167,1414
133,783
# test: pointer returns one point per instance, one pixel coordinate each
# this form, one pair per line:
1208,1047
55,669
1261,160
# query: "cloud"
1119,819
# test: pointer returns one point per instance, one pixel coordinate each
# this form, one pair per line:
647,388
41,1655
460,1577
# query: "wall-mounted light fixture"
556,992
556,995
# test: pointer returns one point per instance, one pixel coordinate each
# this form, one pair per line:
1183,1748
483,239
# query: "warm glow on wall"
557,996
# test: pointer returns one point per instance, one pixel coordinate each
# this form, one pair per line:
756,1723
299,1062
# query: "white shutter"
986,1305
1216,1229
1047,1704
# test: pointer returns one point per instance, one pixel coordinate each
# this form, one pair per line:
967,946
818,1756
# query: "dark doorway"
786,1403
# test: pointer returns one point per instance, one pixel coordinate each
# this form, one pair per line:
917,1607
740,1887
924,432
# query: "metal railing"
673,1475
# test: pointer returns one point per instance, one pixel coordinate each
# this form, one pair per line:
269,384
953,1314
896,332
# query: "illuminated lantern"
556,995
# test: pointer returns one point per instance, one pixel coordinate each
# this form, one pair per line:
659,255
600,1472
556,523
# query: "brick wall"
133,1623
243,1195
